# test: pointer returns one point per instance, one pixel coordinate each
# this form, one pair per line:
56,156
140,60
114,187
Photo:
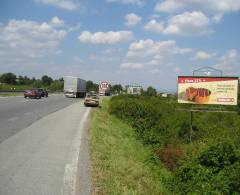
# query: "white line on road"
71,168
22,101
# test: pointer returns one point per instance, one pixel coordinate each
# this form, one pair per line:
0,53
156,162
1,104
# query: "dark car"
43,92
32,93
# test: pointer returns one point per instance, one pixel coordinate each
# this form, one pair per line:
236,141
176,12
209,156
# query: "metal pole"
191,122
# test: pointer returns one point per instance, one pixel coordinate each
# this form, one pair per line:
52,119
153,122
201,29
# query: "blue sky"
121,41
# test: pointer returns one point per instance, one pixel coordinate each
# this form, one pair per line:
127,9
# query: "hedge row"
208,165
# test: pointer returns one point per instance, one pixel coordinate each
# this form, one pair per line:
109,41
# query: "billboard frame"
205,107
235,77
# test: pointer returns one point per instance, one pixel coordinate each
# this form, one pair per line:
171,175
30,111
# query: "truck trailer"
74,87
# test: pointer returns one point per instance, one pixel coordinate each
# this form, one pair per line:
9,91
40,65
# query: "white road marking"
70,173
22,101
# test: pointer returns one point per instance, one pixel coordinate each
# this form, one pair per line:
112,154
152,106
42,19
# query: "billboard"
207,90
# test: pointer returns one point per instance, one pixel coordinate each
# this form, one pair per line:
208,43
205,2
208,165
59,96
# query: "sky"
149,42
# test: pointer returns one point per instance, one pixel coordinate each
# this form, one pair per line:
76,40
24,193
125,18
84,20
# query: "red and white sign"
104,85
207,90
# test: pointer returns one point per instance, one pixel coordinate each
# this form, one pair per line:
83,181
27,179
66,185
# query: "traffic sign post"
104,85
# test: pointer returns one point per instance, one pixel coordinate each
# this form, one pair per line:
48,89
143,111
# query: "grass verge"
121,164
10,94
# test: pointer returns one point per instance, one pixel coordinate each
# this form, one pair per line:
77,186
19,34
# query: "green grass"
10,94
121,164
17,87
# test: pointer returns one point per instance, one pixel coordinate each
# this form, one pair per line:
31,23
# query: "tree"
37,83
46,80
91,86
33,79
24,80
116,88
151,91
8,78
57,85
21,80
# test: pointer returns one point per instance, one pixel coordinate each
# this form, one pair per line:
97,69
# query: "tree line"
47,82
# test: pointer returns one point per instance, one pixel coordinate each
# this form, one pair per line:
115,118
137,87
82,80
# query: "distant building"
134,89
165,95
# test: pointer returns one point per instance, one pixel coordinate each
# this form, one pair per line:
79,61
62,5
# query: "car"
43,92
91,100
70,93
32,93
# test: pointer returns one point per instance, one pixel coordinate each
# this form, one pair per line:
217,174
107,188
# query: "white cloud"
137,2
155,26
132,66
69,5
156,49
202,55
110,37
29,39
169,6
188,23
152,54
229,62
55,21
132,19
208,6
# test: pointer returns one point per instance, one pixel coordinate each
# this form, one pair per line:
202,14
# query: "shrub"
219,156
215,171
141,114
191,178
212,165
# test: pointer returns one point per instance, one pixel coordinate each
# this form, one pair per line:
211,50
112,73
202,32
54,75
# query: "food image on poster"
208,90
198,95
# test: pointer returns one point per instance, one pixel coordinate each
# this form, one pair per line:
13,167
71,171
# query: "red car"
32,93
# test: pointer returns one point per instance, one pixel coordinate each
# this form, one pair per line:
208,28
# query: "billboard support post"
191,125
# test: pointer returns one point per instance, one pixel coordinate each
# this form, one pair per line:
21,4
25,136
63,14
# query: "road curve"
36,159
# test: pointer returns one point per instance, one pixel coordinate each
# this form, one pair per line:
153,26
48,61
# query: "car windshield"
93,96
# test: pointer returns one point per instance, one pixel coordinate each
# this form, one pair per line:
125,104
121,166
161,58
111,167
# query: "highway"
16,113
43,148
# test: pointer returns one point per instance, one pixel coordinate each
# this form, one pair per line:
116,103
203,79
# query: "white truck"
74,87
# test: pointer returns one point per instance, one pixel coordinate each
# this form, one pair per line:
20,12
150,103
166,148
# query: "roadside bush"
211,163
215,171
219,156
141,114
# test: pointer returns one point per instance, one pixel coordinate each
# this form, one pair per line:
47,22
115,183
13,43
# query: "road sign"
104,85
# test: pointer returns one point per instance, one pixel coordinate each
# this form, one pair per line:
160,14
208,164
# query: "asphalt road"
44,151
16,113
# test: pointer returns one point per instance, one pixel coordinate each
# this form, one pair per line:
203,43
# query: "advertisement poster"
208,90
